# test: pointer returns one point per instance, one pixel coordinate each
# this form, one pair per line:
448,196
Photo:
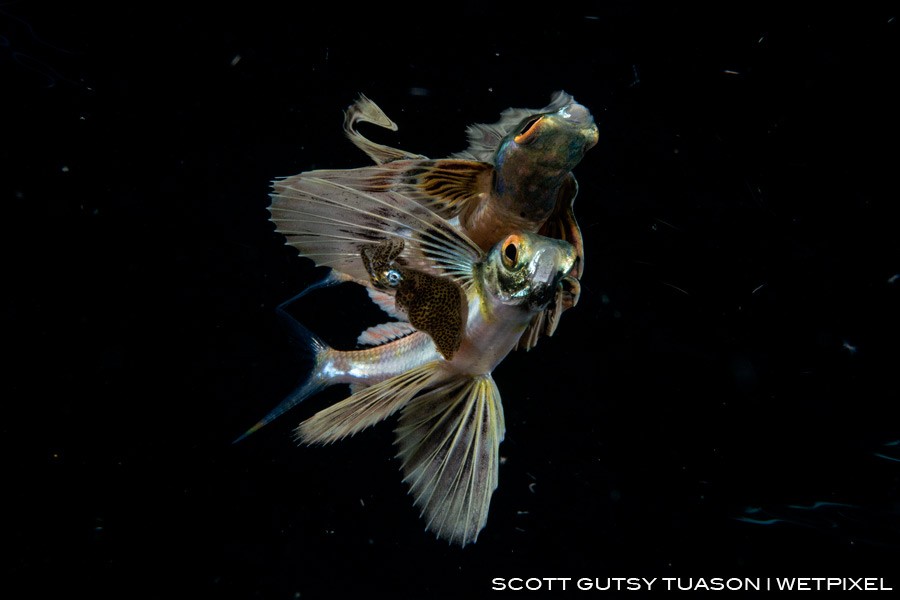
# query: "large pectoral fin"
329,222
448,440
443,186
449,185
562,224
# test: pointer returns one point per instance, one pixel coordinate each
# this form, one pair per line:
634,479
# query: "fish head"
524,269
553,141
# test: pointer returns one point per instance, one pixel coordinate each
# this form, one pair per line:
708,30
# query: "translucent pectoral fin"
443,186
448,440
330,222
448,185
562,225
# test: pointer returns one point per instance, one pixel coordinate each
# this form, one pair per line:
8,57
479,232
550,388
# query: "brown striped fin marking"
452,183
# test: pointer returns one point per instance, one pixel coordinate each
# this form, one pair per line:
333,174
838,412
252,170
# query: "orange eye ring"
529,128
510,254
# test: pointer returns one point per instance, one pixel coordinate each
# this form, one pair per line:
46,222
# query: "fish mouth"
591,136
541,296
548,267
577,113
581,117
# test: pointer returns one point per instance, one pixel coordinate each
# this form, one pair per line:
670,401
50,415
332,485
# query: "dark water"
722,402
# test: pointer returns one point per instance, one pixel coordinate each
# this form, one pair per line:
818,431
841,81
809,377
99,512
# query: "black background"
733,355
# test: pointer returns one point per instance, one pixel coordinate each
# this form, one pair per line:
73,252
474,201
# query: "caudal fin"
449,440
314,382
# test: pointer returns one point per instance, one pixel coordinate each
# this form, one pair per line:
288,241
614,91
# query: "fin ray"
313,383
364,110
443,186
448,440
386,332
322,217
368,406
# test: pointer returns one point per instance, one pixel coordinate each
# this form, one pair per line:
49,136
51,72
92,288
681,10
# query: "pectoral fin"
444,185
562,224
447,185
448,440
329,222
441,186
544,323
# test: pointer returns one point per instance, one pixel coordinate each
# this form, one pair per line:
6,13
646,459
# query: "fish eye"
510,254
393,277
526,133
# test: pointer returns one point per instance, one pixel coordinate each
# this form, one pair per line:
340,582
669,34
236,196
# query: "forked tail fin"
314,382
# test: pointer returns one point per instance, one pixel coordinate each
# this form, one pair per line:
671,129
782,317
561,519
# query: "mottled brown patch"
379,260
435,305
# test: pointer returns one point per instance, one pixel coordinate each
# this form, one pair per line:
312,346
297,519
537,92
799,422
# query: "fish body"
515,176
368,366
451,418
501,301
532,167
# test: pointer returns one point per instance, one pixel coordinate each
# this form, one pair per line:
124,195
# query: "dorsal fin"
386,302
366,111
384,333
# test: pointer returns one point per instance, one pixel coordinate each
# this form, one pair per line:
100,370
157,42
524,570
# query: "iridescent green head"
555,140
537,153
525,269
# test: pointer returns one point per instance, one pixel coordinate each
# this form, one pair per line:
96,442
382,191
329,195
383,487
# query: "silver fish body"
451,418
451,422
505,295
